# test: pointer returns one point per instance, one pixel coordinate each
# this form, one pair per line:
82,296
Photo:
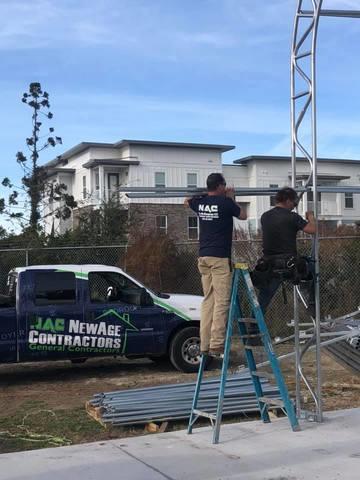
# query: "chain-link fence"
339,265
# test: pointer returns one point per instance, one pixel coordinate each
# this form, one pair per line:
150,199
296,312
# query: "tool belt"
293,268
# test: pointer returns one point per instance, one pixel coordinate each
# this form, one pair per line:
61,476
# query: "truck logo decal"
77,336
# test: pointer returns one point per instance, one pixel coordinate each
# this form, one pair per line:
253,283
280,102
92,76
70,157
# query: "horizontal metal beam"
179,192
334,13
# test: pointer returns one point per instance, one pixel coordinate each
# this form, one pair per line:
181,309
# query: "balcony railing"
94,197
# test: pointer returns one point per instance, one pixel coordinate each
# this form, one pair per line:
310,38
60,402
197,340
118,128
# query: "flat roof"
80,147
276,158
210,146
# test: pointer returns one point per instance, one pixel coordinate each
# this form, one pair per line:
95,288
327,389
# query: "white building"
93,172
271,171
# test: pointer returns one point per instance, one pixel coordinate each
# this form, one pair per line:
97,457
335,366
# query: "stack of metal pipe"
173,401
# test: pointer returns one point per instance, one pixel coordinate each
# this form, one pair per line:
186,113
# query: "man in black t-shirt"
215,211
280,226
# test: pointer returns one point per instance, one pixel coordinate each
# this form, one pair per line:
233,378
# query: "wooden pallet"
95,413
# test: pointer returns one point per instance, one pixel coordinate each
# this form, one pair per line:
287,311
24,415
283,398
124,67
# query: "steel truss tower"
303,121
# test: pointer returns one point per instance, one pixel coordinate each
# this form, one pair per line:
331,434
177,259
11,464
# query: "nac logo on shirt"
208,212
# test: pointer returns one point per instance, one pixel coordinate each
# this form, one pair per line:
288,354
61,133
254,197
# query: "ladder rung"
252,335
201,413
268,375
252,347
248,320
272,401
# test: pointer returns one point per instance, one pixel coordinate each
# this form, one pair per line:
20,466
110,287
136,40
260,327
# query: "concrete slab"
248,451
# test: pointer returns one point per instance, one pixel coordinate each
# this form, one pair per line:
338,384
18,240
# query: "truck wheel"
185,350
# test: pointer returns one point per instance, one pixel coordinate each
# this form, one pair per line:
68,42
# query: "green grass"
35,425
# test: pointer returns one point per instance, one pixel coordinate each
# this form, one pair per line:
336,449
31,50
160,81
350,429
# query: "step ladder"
241,277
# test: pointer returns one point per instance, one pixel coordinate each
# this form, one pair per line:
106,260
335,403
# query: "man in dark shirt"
215,211
280,226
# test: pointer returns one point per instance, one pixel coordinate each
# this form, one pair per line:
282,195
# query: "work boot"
217,352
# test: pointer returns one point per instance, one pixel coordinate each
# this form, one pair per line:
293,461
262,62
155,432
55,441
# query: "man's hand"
230,192
310,216
186,202
310,227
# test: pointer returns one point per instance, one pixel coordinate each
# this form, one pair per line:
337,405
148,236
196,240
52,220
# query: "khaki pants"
216,282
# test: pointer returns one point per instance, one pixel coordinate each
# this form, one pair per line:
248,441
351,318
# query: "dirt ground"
42,404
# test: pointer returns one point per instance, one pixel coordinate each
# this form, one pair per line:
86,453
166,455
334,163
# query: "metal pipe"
335,13
317,9
239,192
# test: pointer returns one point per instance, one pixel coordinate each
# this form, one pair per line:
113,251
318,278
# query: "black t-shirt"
215,214
279,229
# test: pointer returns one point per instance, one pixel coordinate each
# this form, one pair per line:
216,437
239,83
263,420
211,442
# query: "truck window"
107,287
55,288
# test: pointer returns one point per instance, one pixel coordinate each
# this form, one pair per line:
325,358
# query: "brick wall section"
143,218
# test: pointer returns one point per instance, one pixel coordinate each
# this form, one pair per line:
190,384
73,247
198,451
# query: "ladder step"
268,375
201,413
252,347
248,320
252,335
272,401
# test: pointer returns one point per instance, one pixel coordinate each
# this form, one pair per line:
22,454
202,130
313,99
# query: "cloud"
340,4
227,116
50,24
208,38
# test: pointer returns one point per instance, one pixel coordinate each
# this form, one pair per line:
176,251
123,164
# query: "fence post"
26,257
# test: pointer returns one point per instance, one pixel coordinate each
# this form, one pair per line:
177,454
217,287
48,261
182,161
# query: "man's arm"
230,193
243,214
191,202
310,227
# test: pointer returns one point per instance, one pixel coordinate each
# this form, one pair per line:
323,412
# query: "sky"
207,71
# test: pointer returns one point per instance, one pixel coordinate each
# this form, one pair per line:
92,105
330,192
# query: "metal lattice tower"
304,141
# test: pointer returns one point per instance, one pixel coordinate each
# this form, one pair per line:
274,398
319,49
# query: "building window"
160,179
161,223
192,180
349,200
272,197
193,228
97,181
311,203
84,187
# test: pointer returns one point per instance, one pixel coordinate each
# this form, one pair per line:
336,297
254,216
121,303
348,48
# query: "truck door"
8,333
52,303
128,310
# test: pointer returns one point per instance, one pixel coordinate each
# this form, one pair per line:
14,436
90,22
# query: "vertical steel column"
308,22
319,412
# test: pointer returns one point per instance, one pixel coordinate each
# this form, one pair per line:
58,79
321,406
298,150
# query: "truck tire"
185,350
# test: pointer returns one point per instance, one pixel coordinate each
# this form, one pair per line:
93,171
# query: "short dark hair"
214,180
286,193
